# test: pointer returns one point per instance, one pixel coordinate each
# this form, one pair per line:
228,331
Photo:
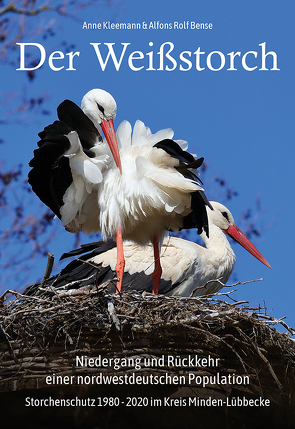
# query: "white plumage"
186,266
149,197
87,175
136,185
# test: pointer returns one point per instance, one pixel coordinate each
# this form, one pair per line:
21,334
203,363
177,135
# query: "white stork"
187,266
136,187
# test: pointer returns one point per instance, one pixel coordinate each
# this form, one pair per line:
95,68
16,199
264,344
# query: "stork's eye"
100,108
225,214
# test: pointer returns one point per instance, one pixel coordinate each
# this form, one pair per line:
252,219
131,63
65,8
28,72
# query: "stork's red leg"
158,269
120,259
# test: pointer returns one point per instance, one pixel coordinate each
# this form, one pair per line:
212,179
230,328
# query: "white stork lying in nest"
135,187
187,266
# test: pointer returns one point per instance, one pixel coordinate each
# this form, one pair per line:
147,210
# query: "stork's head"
222,217
101,108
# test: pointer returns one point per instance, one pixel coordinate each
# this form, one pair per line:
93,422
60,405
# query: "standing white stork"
149,185
187,266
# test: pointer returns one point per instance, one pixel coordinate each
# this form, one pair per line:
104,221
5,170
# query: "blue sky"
242,122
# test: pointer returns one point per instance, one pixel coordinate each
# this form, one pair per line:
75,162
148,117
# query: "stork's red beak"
234,232
109,132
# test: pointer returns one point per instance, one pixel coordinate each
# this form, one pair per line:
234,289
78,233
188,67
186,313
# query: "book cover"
220,75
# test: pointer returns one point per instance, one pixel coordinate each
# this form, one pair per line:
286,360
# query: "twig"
274,321
130,316
10,349
13,292
49,266
114,317
223,284
265,360
239,303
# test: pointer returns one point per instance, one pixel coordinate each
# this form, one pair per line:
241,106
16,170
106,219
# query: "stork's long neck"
219,250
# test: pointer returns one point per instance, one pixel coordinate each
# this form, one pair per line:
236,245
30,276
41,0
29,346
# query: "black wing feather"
51,176
79,269
171,147
97,247
76,119
198,217
80,272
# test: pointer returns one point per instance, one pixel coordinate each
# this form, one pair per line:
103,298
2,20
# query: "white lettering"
111,53
22,56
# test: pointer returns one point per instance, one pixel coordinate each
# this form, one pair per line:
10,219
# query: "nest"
42,335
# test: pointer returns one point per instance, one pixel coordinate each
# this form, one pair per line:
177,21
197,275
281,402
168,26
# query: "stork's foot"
120,272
